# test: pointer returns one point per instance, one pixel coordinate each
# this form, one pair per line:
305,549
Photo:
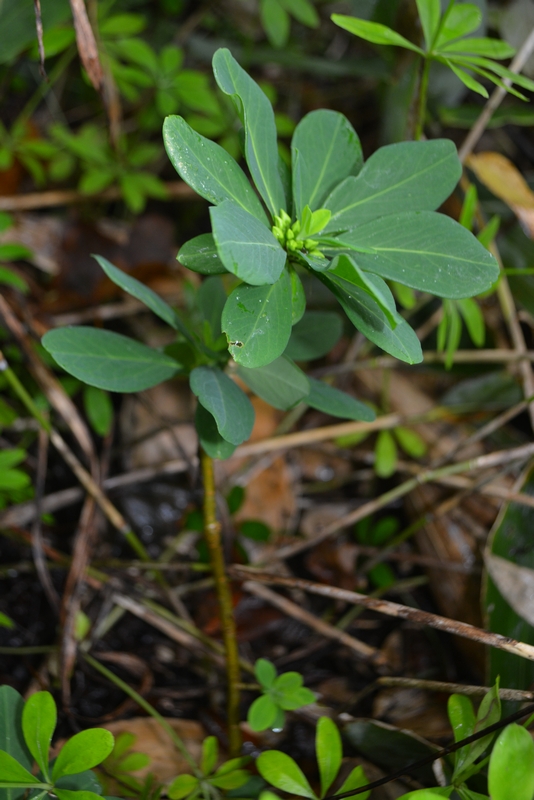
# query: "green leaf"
297,698
230,780
460,20
281,383
314,336
10,278
255,110
66,794
367,317
38,724
12,252
410,441
461,716
347,268
209,436
385,455
329,752
257,322
474,320
224,399
182,786
281,771
430,15
355,780
14,479
466,78
512,765
200,255
211,298
84,751
313,221
415,176
233,764
99,409
286,684
11,736
13,772
325,149
141,292
374,32
262,713
303,11
12,457
208,168
491,48
336,403
210,752
245,246
108,360
265,672
275,21
426,251
298,297
5,621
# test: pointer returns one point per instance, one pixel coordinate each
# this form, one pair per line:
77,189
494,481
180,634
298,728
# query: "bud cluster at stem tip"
288,235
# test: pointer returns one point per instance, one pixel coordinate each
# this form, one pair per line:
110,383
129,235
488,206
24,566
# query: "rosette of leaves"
348,225
281,693
281,771
211,778
25,737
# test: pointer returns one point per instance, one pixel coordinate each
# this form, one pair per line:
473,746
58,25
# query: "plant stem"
145,705
423,94
212,533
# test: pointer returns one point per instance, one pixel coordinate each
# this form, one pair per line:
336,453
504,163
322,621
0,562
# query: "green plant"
281,771
26,733
447,41
11,251
276,18
280,693
211,778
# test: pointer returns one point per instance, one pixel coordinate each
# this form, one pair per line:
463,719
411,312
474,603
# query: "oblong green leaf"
481,46
461,19
200,255
68,794
511,767
466,77
14,479
325,149
12,457
245,246
281,383
314,336
430,15
38,724
281,771
339,404
385,454
373,32
355,780
182,786
141,292
209,437
257,322
367,317
262,713
303,11
108,360
265,672
210,752
84,751
229,405
426,251
12,771
347,268
208,168
275,21
329,752
298,297
230,780
414,176
11,736
256,112
99,409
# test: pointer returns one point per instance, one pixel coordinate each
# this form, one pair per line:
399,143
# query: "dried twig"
176,190
85,39
515,695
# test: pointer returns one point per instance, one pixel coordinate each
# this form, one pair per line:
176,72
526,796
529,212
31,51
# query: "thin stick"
454,688
212,533
393,610
521,58
176,190
361,649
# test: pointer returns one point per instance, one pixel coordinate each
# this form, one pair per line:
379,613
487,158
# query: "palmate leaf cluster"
447,40
352,226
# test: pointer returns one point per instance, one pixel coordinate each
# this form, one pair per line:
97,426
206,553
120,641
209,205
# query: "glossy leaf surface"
325,149
228,404
281,771
329,752
281,383
84,751
200,255
257,321
511,767
108,360
415,176
426,251
38,724
208,168
245,246
337,403
261,149
13,772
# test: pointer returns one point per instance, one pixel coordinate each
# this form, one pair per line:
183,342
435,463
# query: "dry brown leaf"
85,39
506,182
515,583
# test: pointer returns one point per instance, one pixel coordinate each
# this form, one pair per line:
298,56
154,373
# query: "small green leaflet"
108,360
430,15
339,404
415,176
281,771
256,112
228,404
325,149
209,436
257,322
83,752
200,255
208,168
329,752
245,246
313,221
373,32
461,19
281,383
38,725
